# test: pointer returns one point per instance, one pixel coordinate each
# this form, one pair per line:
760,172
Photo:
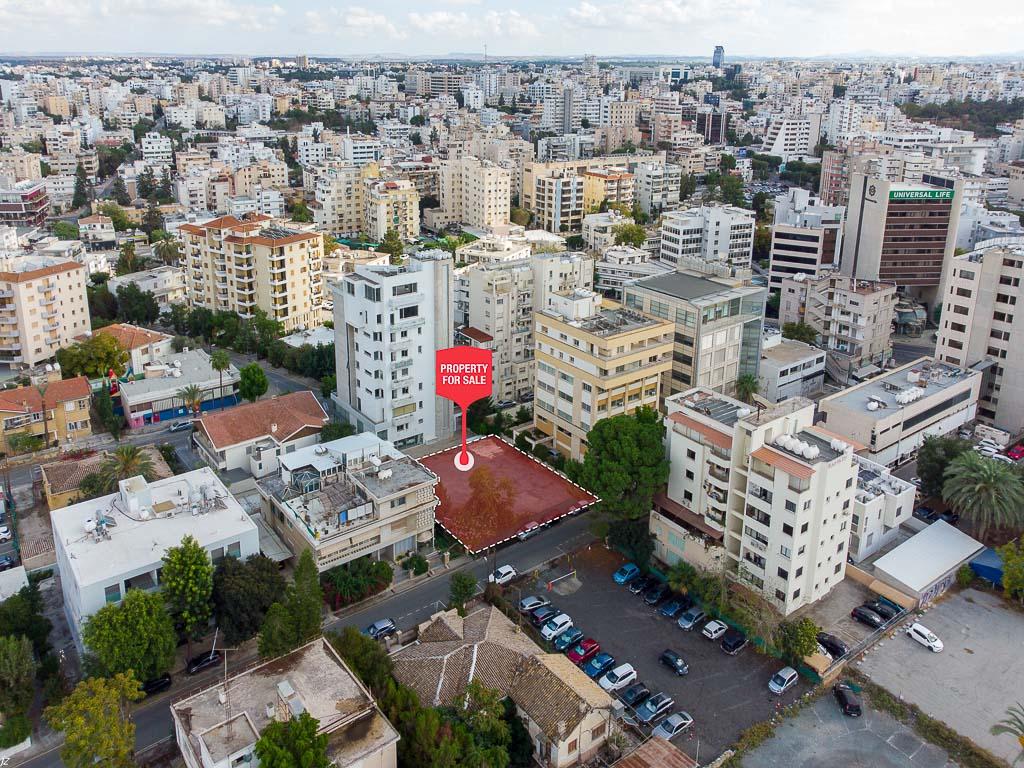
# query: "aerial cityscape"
488,386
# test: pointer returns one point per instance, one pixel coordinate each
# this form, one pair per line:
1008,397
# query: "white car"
783,680
5,533
556,626
502,575
925,637
823,652
714,629
672,726
620,677
1002,458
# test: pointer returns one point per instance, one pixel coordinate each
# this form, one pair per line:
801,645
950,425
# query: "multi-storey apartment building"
853,319
248,264
793,138
656,186
388,323
981,327
56,415
558,202
616,185
595,359
718,327
719,234
337,203
392,205
763,494
622,264
475,192
350,498
806,236
157,149
25,204
43,308
883,502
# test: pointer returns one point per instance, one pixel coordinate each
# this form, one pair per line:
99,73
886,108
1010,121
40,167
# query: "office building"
793,138
718,58
762,494
806,236
715,235
718,324
248,264
853,319
388,323
892,414
595,360
622,264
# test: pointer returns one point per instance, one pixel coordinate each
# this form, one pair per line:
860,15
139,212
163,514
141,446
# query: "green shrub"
416,563
964,576
15,730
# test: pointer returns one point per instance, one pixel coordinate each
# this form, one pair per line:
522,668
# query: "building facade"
720,234
806,236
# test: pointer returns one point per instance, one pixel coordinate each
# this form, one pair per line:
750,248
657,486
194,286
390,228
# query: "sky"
520,28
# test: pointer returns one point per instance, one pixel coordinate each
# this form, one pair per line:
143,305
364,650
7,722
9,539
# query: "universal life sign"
463,375
921,194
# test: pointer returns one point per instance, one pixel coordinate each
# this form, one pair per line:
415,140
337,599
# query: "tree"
687,186
120,192
220,362
187,580
295,620
293,743
1012,725
145,184
799,332
117,216
933,457
1012,555
65,230
392,245
632,538
22,614
191,397
987,492
336,431
135,637
93,358
94,719
461,588
300,212
243,593
81,195
17,673
152,218
167,250
109,420
128,261
762,242
630,234
797,640
682,577
328,385
163,191
126,461
726,163
625,464
746,387
135,305
252,382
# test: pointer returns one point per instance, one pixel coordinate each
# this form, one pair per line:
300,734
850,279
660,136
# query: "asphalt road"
153,721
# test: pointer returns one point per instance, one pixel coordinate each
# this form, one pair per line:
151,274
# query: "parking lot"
724,694
976,677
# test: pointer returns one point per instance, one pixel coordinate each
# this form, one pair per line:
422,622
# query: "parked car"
204,661
733,641
157,685
532,603
634,695
986,451
583,651
6,562
556,626
783,680
886,610
5,533
674,607
926,514
381,629
674,661
823,651
598,665
714,629
691,618
916,482
672,726
626,573
867,616
502,575
503,404
656,706
835,647
849,701
925,637
642,584
949,516
568,639
1016,452
543,615
527,531
1002,459
617,678
180,426
656,594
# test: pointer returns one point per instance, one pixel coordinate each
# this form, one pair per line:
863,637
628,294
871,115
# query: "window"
235,549
598,732
785,551
803,528
780,595
572,746
838,566
787,529
783,573
790,506
796,594
112,593
216,555
403,290
691,455
407,312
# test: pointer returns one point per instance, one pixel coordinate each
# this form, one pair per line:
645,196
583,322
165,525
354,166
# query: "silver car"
672,726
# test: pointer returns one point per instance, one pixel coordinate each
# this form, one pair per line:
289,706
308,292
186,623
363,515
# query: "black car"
674,661
543,615
6,562
927,514
886,610
949,516
733,641
656,594
642,584
204,661
848,700
867,616
836,647
635,695
157,685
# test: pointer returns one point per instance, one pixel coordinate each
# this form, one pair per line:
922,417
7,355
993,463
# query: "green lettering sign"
921,194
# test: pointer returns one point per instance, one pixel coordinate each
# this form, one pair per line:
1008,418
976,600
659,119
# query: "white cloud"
589,15
441,22
351,20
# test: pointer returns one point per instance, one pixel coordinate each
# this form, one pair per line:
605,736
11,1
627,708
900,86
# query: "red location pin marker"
463,375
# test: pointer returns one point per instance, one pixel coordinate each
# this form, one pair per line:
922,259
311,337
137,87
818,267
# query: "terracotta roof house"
142,345
251,438
656,753
62,479
66,416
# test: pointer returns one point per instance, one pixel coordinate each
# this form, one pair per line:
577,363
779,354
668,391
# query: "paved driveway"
724,694
821,737
976,677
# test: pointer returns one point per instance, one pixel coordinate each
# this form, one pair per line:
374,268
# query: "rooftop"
314,337
132,336
178,370
927,555
611,322
695,289
886,394
277,418
66,476
874,480
789,351
29,399
106,537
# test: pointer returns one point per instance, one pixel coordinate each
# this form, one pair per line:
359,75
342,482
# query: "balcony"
718,473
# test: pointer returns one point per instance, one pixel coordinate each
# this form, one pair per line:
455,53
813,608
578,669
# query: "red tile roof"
476,334
28,399
291,413
783,462
713,436
132,336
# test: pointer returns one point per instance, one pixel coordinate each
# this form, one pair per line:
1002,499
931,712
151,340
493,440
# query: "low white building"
166,283
621,264
106,546
599,228
144,347
789,368
882,503
925,565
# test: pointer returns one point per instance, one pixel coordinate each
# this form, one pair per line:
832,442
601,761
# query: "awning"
683,516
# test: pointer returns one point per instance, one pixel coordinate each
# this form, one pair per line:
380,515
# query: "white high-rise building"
388,323
475,192
792,138
157,149
656,186
718,234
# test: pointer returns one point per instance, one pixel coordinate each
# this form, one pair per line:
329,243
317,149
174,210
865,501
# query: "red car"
583,651
1017,452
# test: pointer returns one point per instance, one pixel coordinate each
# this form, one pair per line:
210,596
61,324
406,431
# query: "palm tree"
220,362
167,250
746,387
192,397
989,493
1013,725
126,461
681,577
